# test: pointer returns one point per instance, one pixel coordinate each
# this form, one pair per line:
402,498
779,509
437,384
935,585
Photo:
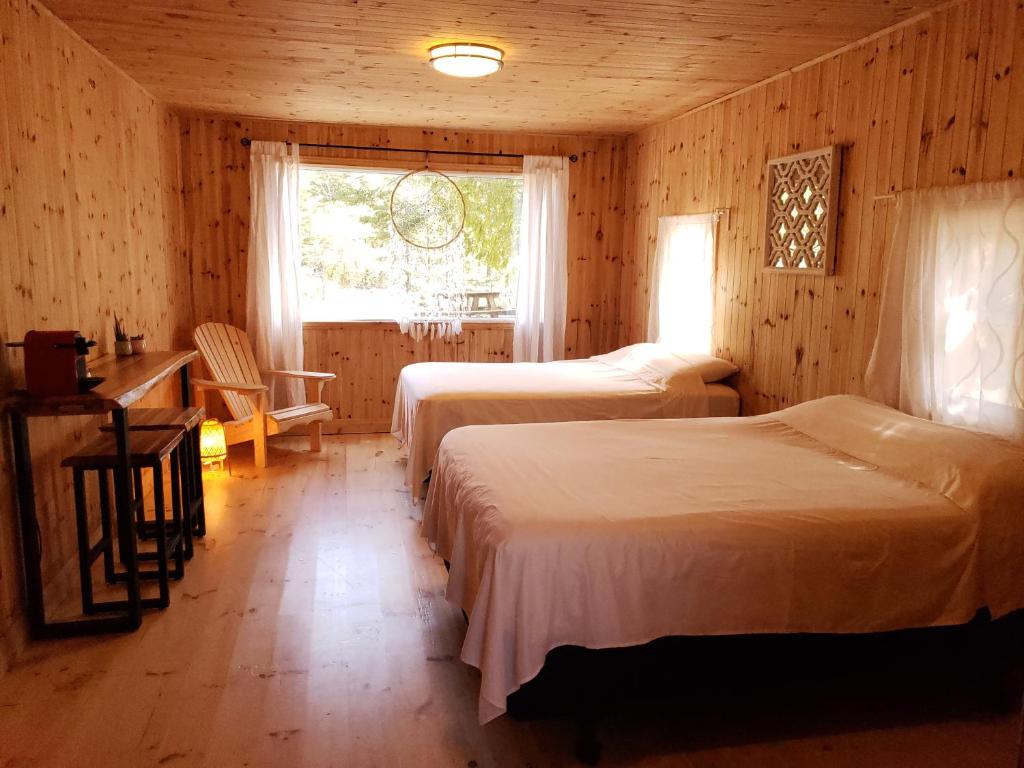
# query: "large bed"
641,381
834,516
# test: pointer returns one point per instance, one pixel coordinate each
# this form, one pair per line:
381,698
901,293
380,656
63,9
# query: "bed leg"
994,674
588,748
595,695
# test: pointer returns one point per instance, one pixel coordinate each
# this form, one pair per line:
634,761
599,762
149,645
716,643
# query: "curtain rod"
246,141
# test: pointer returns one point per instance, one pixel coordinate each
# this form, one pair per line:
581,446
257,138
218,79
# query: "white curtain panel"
682,283
273,322
950,339
543,246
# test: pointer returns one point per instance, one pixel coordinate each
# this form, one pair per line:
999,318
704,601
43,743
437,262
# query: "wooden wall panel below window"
368,356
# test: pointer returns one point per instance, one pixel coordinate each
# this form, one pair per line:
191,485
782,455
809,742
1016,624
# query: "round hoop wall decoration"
427,209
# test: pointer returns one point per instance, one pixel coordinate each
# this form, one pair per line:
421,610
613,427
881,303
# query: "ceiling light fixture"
466,59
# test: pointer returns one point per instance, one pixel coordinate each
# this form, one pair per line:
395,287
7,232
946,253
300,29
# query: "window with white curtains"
682,293
950,341
356,266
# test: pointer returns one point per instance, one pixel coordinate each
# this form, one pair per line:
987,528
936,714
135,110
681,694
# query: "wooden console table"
127,379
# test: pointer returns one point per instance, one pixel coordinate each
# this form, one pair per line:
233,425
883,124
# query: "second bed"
641,381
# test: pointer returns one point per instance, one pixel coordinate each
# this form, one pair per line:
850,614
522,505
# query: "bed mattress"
838,515
723,400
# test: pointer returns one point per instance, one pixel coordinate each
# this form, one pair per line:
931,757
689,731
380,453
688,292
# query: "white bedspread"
838,515
434,398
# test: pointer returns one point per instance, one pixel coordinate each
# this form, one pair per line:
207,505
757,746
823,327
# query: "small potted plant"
138,344
122,344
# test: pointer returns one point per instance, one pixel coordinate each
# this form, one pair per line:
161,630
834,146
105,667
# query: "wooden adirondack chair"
228,356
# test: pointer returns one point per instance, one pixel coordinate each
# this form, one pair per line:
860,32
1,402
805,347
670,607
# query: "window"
356,266
950,340
682,293
975,301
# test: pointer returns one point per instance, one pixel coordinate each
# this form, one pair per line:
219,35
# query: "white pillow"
709,367
636,357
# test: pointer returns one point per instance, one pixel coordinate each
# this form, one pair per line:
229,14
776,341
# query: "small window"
357,266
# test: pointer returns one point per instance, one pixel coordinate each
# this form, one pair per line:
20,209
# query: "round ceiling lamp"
466,59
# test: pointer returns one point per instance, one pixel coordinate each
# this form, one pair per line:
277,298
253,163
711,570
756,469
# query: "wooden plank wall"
368,357
937,102
89,225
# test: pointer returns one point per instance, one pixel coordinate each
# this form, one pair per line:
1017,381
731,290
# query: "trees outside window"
355,266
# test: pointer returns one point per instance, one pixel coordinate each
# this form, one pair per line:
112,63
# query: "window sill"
469,323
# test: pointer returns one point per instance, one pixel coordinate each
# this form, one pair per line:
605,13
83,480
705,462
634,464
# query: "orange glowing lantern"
213,448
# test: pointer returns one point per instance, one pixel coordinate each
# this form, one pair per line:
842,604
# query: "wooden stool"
149,448
189,420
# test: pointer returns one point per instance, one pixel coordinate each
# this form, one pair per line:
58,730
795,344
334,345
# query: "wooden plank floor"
311,630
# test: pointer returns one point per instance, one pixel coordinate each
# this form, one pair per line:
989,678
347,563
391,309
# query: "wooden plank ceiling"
602,66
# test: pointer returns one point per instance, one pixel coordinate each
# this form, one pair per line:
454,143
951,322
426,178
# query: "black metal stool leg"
178,526
106,527
140,514
197,483
122,540
183,459
82,524
123,500
161,535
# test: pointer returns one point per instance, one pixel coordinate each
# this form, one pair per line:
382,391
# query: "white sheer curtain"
950,340
273,323
682,289
543,244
